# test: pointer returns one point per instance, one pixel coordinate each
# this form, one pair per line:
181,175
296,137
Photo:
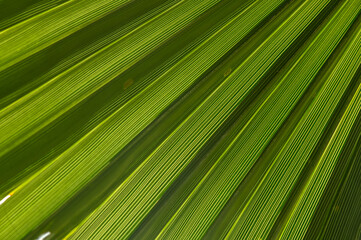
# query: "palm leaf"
180,119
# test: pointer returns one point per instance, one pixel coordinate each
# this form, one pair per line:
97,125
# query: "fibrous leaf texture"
180,119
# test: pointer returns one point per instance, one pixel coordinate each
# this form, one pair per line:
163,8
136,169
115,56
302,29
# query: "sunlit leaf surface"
180,119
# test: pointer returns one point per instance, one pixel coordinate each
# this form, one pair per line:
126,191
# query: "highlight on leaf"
180,119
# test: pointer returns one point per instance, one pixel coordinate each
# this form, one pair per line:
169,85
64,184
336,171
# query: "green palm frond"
180,119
